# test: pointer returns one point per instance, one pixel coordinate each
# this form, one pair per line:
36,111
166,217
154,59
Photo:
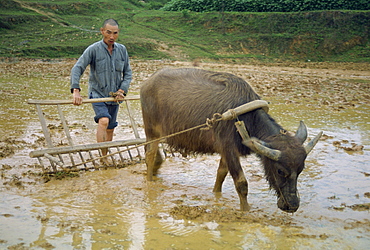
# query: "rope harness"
205,126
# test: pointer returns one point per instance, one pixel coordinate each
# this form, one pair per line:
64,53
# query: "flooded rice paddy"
117,208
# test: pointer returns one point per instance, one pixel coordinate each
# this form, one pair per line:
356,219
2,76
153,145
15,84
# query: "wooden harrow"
83,157
63,158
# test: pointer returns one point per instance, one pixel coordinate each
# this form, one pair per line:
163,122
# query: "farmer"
110,72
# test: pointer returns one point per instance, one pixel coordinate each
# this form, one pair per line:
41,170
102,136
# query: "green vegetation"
55,29
265,5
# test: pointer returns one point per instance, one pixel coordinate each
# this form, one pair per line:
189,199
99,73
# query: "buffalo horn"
301,133
258,147
312,143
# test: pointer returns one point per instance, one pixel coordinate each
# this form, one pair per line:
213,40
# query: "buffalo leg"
157,161
153,159
241,184
221,174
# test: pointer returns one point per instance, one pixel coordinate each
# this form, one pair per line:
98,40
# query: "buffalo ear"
301,133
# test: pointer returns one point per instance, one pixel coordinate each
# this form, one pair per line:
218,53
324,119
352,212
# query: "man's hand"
119,95
77,99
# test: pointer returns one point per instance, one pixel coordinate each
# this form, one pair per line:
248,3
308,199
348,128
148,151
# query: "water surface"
119,209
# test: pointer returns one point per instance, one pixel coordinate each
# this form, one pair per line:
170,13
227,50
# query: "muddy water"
118,209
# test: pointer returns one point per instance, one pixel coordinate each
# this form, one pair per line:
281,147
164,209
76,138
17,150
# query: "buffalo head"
283,157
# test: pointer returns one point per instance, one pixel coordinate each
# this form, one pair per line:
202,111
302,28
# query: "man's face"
110,34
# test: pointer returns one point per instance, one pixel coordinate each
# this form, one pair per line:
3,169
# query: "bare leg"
110,134
103,134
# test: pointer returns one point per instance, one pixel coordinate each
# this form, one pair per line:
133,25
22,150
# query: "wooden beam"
86,147
232,114
94,100
44,127
133,124
64,124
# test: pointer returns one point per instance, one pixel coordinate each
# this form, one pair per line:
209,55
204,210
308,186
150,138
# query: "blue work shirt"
108,72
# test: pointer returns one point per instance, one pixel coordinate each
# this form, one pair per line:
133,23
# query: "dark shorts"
105,110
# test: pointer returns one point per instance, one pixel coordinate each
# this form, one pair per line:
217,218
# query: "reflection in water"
137,230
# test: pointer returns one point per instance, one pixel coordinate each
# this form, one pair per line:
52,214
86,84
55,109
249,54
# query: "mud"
118,209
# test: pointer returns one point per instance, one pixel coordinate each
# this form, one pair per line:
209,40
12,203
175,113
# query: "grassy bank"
64,29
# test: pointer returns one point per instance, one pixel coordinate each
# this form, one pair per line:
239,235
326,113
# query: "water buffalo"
177,99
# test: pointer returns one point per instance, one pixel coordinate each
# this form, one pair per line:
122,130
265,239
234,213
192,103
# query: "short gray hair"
110,21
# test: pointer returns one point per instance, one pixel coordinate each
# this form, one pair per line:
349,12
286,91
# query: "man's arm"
127,75
76,73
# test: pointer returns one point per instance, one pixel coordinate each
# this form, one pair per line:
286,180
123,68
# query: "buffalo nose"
289,205
290,209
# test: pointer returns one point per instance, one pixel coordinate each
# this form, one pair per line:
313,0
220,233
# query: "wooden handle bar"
94,100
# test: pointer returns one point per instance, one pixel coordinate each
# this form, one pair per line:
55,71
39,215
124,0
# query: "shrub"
265,5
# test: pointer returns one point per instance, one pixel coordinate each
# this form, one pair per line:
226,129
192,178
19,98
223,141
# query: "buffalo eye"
282,173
